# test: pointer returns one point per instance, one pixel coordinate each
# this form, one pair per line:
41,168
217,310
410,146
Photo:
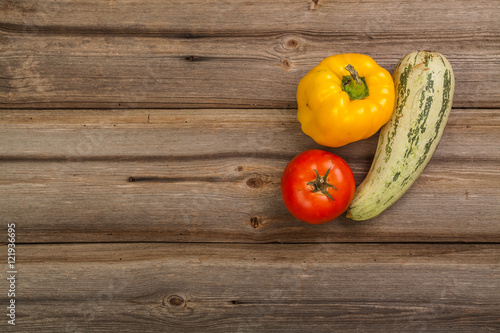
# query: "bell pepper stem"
354,74
354,85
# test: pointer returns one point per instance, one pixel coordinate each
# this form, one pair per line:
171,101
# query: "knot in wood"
314,5
255,182
254,222
174,300
286,64
291,43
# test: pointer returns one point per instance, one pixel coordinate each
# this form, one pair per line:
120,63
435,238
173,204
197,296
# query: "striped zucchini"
424,84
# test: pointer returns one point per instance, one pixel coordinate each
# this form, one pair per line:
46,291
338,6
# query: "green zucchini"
424,83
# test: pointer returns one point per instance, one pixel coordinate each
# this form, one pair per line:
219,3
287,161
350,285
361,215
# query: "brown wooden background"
141,150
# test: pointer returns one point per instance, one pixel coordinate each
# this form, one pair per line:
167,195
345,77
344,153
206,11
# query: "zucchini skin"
424,83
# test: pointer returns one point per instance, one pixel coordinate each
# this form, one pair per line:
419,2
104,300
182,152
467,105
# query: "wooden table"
142,145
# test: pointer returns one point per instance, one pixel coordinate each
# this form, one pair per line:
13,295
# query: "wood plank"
95,202
143,133
65,177
267,288
202,17
62,55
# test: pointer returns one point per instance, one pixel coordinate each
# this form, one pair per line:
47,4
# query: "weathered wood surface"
214,175
141,149
258,288
144,54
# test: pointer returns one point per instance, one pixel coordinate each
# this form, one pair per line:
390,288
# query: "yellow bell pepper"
346,98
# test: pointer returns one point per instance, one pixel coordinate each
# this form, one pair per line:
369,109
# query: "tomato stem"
320,184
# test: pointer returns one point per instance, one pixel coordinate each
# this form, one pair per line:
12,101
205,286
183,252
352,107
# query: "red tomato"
317,186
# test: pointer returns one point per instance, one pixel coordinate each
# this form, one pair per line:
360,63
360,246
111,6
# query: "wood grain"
141,149
265,16
214,175
94,54
267,288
